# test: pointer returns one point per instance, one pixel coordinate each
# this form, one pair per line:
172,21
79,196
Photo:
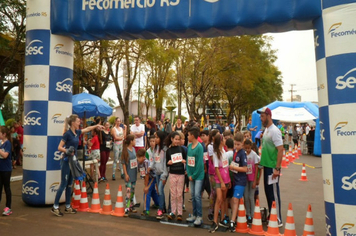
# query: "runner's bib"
133,164
142,171
206,157
235,165
176,158
225,162
157,159
249,169
191,161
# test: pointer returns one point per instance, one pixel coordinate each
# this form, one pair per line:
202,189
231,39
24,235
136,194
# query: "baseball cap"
265,110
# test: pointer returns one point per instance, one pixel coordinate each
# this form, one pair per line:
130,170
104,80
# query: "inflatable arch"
52,25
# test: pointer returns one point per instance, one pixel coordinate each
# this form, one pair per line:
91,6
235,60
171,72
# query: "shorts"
239,191
230,192
218,185
94,154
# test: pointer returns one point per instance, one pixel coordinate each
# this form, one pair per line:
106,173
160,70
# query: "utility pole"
291,92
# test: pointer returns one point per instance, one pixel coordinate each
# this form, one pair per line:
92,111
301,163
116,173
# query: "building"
296,98
133,110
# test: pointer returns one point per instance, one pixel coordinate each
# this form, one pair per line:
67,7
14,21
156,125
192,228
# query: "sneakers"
70,210
171,216
249,220
7,211
198,221
159,215
224,223
179,218
133,210
280,224
213,227
186,190
190,219
190,199
184,210
232,226
145,213
113,177
210,217
126,212
57,212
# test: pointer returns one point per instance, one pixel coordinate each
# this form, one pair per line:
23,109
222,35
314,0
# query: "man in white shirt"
138,130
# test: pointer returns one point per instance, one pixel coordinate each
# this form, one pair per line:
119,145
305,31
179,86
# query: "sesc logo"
345,228
338,128
346,81
34,47
64,86
57,155
348,183
31,119
56,119
54,187
30,188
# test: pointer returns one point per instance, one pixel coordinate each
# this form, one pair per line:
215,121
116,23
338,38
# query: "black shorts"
230,192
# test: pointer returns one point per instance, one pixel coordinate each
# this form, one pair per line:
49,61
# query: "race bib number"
108,144
206,156
133,164
176,158
151,159
249,169
142,171
235,165
157,159
225,162
191,161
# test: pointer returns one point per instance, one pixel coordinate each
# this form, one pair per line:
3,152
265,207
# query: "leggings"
5,181
104,157
130,192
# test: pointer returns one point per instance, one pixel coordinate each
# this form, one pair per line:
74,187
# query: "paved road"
27,220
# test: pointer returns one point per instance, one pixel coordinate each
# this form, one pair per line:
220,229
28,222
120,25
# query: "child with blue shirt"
5,167
239,167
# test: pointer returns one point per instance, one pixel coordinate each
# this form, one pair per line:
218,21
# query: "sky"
295,59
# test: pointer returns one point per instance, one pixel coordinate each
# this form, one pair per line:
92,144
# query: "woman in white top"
118,134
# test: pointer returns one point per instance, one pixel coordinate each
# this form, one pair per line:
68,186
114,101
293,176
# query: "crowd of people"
224,163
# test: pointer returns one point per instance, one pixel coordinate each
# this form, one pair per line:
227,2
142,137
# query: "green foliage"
10,122
112,120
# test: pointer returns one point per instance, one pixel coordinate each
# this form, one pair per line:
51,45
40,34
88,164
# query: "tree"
8,107
12,45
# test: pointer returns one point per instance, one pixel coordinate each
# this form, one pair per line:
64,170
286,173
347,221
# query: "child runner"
249,195
182,141
229,143
94,146
247,135
5,167
176,158
150,182
160,167
222,179
239,165
211,171
130,171
258,171
195,172
151,149
204,136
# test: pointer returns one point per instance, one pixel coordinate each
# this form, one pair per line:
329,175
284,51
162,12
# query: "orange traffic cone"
290,156
303,176
287,160
289,229
241,225
83,205
284,160
256,227
95,201
309,224
273,229
76,195
119,205
299,150
107,205
296,153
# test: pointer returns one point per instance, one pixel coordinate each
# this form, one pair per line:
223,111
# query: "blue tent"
293,112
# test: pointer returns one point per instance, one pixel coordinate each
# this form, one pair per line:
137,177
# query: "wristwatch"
278,168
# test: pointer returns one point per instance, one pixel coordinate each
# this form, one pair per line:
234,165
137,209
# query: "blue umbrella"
88,105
